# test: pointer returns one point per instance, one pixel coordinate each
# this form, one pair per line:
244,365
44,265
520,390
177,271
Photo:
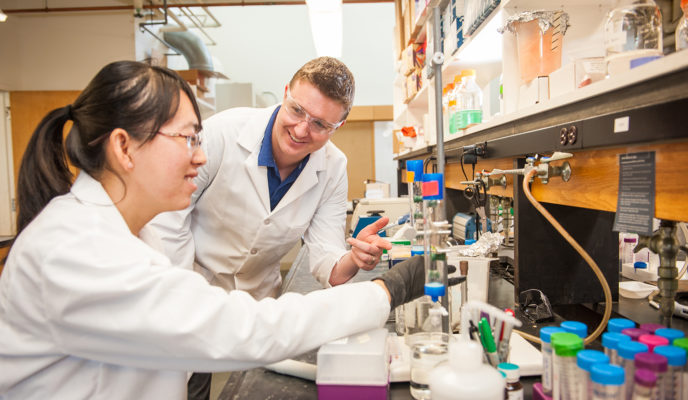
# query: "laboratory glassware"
514,388
469,101
428,349
633,30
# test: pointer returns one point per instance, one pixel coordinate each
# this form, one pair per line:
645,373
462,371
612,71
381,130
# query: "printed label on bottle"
547,371
515,395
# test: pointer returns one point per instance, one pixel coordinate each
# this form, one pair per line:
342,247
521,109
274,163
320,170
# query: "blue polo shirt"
277,187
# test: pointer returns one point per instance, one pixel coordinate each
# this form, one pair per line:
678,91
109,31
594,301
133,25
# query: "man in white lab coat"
274,177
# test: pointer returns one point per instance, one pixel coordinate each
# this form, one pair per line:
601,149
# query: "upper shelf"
660,82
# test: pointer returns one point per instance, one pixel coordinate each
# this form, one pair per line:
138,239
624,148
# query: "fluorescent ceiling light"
326,26
3,16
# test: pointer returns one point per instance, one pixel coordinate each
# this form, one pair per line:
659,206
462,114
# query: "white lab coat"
237,240
90,311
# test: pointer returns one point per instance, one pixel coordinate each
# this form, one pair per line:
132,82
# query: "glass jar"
633,30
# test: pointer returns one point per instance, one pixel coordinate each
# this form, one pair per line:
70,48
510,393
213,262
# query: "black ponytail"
43,173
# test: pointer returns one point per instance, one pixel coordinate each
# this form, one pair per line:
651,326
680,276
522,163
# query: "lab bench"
260,383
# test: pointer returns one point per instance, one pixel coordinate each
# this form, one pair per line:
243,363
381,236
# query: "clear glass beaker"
428,350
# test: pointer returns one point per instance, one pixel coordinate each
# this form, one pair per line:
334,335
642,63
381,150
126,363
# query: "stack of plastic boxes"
356,367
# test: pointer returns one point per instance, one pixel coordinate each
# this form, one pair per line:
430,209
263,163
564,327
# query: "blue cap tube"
575,327
619,324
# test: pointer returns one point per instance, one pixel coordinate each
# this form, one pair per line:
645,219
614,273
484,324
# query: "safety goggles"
315,125
535,305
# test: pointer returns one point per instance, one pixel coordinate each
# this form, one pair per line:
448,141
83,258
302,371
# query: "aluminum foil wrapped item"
488,243
546,20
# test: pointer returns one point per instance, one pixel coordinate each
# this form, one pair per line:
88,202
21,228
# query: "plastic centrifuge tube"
607,382
610,343
586,359
656,363
676,358
565,380
626,352
547,365
643,386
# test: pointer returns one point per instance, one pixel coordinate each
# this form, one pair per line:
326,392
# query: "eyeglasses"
316,125
193,140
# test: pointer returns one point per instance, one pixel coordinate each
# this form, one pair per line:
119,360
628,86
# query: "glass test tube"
406,314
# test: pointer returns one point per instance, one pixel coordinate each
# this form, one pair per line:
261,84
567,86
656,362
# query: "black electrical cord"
464,171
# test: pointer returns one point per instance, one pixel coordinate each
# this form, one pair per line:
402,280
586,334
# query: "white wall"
61,51
265,45
385,165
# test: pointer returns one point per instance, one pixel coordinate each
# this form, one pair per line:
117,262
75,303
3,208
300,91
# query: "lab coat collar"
88,190
91,192
251,138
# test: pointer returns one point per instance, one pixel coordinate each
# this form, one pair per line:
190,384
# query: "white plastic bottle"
682,28
469,101
465,377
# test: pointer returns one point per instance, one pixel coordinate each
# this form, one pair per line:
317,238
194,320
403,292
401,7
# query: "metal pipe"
198,24
148,6
665,244
437,61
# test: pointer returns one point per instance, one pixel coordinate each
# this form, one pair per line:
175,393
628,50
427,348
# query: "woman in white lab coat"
89,308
